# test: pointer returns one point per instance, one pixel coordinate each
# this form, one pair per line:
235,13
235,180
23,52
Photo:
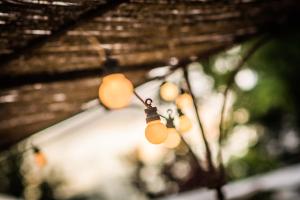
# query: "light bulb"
39,157
184,101
115,91
156,132
169,91
173,139
185,124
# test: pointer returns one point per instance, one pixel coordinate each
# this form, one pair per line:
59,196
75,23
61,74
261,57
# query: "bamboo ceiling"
50,68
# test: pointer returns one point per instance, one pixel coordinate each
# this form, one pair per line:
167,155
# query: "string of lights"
116,92
156,132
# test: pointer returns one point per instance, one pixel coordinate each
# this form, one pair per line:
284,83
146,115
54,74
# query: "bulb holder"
170,123
110,65
151,112
36,149
182,91
180,113
170,119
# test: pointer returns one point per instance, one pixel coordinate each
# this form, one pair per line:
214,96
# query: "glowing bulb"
173,139
184,101
169,91
185,124
156,132
40,158
115,91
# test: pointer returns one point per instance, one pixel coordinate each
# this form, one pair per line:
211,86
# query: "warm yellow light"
185,124
156,132
169,91
115,91
184,101
173,139
40,159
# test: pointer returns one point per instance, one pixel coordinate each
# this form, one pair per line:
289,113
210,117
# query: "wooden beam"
38,42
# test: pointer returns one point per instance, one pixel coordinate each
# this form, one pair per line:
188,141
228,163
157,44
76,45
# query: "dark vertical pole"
208,152
220,195
219,192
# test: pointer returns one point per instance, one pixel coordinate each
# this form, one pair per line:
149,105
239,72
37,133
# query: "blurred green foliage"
274,103
256,161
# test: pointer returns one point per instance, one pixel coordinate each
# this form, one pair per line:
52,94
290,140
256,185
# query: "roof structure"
50,67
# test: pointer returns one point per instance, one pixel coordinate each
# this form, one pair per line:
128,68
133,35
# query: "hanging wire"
147,103
163,116
140,98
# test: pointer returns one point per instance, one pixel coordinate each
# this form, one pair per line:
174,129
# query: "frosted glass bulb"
184,101
169,91
115,91
185,124
156,132
173,139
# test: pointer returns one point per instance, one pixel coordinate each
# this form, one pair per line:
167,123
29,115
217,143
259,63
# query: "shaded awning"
50,69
